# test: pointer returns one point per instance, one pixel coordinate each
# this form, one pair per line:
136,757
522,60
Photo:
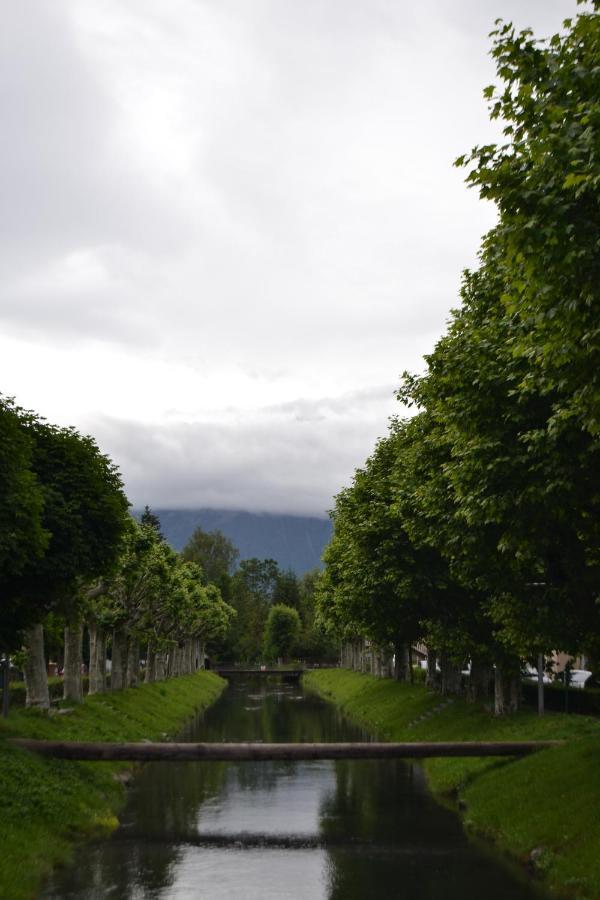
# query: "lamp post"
540,666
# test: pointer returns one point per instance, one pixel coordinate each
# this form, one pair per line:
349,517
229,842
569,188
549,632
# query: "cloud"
211,207
287,458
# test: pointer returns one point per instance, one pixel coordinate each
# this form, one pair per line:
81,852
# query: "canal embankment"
541,809
49,805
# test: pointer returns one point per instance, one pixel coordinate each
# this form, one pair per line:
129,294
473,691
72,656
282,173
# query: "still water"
284,830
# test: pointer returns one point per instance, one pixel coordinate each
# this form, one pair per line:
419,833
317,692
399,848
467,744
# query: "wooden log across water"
215,752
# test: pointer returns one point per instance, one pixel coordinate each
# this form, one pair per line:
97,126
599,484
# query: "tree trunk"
36,677
175,661
480,680
160,667
540,683
451,676
188,656
97,659
150,664
401,662
389,663
72,684
507,691
133,664
348,655
431,679
119,659
5,685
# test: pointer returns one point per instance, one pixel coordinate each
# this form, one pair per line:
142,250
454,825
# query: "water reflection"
283,830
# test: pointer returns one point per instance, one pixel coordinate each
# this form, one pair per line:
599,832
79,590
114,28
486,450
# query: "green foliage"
252,589
48,804
379,581
157,596
315,643
545,182
148,518
477,524
281,631
287,589
546,801
22,535
215,554
83,515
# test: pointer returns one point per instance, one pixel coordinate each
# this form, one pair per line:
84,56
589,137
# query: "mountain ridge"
294,542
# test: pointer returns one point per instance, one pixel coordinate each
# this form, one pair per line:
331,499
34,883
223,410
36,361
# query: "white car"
532,675
577,678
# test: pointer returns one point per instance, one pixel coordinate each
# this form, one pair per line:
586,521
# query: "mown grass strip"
49,804
543,809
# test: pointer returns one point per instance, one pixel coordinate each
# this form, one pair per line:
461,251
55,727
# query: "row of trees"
69,549
474,525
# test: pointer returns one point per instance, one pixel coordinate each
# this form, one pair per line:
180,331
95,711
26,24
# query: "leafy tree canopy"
282,630
213,552
84,513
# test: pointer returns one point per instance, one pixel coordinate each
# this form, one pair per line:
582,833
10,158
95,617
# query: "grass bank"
543,809
47,805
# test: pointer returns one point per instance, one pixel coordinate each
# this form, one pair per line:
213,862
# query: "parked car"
531,674
578,678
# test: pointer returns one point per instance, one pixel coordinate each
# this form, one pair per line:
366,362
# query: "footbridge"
247,752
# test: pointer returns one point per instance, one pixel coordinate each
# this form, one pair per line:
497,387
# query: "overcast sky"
229,225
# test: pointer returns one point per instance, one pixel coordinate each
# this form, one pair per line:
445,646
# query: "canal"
285,830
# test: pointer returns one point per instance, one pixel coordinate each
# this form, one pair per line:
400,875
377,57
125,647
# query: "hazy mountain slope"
295,542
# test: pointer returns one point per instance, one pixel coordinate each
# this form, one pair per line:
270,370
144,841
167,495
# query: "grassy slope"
46,804
549,801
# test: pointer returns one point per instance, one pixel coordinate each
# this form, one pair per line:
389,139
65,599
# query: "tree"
287,589
151,519
512,389
215,554
378,583
281,631
252,590
85,514
314,643
22,535
138,598
544,180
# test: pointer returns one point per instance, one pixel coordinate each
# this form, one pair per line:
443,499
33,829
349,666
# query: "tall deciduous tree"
84,512
282,630
215,554
22,535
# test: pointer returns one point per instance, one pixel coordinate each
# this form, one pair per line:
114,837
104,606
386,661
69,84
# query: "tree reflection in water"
341,831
